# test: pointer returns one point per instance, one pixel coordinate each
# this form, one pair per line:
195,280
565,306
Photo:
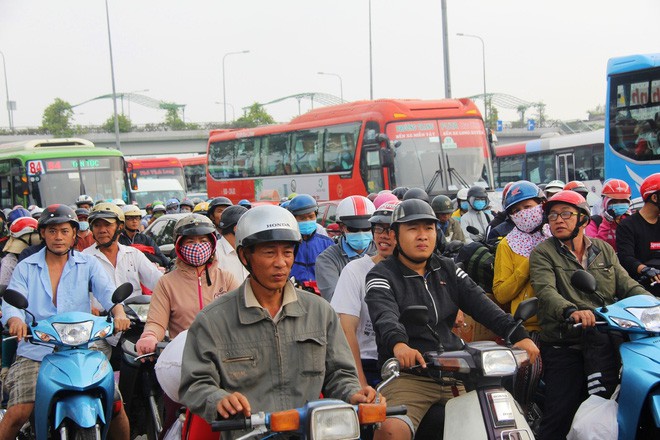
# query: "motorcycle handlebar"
231,424
398,410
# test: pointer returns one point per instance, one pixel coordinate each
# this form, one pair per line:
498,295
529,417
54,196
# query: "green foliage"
255,116
56,119
125,124
493,115
173,121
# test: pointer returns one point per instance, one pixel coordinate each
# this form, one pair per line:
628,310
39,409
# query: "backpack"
478,261
598,219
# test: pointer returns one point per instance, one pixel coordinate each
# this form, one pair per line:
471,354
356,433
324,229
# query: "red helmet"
569,197
616,189
650,186
23,226
355,212
577,186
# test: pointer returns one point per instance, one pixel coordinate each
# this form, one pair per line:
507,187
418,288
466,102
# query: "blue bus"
632,118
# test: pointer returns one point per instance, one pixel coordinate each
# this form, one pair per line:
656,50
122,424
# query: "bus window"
275,155
244,163
511,169
599,163
307,146
11,186
339,152
583,169
540,168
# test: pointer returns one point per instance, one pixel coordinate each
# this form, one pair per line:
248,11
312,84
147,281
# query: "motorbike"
323,419
75,386
487,410
137,379
638,318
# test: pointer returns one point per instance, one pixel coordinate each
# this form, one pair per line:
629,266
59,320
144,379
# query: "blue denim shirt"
31,278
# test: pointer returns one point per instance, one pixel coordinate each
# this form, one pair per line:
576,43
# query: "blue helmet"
302,204
17,213
519,191
245,203
172,203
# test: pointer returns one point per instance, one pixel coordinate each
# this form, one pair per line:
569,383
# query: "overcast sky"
554,51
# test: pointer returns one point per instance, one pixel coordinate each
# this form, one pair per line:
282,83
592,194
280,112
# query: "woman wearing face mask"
511,282
85,237
616,203
180,294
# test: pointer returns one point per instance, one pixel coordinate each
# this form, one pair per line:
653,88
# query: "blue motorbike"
637,317
75,386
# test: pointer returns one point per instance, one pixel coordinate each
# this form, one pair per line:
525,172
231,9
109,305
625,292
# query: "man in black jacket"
414,275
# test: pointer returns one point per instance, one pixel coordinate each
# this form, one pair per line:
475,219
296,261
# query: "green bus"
46,171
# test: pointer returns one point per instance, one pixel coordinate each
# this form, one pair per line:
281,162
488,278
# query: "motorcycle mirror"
584,281
472,230
122,292
391,367
15,299
526,309
19,301
415,315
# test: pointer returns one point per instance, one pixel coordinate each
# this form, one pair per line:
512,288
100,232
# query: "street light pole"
112,74
9,113
483,60
224,93
371,70
341,86
233,114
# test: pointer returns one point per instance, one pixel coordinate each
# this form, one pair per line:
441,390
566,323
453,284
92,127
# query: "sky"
550,51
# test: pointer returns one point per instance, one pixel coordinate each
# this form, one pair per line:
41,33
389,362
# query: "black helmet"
58,214
193,224
230,216
218,201
302,204
416,193
187,202
411,210
478,192
400,191
442,205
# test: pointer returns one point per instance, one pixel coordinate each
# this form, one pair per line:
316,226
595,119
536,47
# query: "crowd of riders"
332,296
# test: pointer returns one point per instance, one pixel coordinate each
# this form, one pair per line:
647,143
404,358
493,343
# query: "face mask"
479,204
196,254
619,208
84,226
528,219
465,206
306,228
359,240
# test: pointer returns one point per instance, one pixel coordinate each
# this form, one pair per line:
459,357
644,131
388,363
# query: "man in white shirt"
226,248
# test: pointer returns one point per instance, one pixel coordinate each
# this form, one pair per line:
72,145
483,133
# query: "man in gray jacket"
267,345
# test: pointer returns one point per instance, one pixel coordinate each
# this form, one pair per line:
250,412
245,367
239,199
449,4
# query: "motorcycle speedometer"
75,333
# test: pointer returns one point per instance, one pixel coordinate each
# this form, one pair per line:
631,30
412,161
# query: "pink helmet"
384,198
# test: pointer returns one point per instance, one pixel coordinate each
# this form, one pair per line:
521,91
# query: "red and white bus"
333,152
194,169
156,178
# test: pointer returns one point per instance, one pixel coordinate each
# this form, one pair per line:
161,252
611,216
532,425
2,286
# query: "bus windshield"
158,189
440,155
175,173
63,179
635,114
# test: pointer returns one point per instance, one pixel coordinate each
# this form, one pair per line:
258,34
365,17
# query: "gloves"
650,272
146,344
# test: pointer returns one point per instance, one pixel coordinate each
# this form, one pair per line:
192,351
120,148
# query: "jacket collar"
250,314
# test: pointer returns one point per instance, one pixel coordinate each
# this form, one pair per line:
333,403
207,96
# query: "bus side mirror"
387,157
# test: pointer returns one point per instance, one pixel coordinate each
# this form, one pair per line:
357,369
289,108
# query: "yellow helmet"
201,208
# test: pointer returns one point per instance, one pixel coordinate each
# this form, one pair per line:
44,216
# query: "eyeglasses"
381,229
357,229
553,216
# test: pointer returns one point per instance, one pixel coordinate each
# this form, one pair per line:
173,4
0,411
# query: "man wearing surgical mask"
477,215
353,214
85,237
304,208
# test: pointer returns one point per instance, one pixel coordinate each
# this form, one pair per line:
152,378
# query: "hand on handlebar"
146,344
584,317
233,404
17,328
651,273
365,395
530,347
408,357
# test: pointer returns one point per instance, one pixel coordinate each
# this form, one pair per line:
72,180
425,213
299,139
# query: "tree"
493,114
125,124
173,120
256,115
522,109
597,113
541,116
56,119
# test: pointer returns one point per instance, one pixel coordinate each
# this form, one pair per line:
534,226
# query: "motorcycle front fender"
83,410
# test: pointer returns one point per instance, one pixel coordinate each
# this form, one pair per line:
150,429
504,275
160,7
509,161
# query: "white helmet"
355,212
119,202
462,194
131,211
266,223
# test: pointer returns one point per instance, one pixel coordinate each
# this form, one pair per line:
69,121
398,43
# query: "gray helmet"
193,224
58,214
442,205
411,210
266,223
84,200
231,215
218,201
416,193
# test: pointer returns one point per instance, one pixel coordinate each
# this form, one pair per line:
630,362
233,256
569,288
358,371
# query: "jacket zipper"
199,292
435,308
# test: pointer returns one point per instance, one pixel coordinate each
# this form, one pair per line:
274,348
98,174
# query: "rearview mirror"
584,281
122,292
15,299
526,309
415,315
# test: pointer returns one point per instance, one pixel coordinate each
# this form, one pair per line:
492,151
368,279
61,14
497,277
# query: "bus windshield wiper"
436,175
82,183
453,172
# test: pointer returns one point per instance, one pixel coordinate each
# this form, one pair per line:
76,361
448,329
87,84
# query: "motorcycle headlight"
141,310
73,334
498,362
649,316
334,423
